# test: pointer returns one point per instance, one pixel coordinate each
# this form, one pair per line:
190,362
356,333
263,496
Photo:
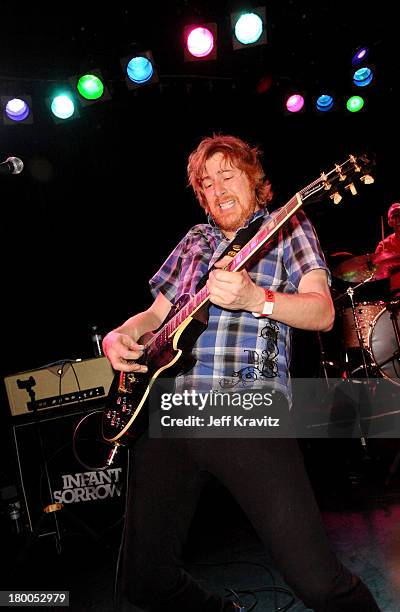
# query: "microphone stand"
52,508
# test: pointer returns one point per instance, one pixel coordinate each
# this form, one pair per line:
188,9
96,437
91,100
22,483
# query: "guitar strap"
241,238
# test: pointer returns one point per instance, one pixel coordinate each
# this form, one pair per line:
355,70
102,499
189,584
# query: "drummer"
391,246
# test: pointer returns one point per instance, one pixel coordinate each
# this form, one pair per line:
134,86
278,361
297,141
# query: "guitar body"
125,416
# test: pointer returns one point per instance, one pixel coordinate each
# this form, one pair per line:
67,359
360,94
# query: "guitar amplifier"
59,385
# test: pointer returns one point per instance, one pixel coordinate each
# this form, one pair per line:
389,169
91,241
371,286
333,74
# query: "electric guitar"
167,352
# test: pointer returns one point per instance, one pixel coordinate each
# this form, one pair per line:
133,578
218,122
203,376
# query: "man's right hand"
122,352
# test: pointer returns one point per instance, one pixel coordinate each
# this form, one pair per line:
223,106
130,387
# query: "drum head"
384,346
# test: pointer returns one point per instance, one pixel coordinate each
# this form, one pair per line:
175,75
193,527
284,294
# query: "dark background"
104,198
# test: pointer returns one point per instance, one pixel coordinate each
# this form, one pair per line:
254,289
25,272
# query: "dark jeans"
268,479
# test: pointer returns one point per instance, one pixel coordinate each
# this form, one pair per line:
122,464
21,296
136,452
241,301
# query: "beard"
230,221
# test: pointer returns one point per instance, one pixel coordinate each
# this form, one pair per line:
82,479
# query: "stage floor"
360,505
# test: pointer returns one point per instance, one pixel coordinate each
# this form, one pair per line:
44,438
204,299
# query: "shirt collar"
258,213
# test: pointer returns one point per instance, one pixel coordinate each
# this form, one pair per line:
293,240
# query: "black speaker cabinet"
91,498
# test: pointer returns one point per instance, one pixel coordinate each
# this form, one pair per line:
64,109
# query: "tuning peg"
351,188
353,160
336,197
367,179
342,176
324,179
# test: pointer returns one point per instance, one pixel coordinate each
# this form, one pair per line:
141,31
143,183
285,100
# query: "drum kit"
369,351
370,343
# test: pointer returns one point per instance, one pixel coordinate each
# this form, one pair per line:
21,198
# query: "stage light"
295,103
139,70
324,103
200,42
360,56
355,104
63,107
90,87
363,77
16,110
248,28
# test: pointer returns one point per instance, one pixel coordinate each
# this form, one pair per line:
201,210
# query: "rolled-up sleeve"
302,251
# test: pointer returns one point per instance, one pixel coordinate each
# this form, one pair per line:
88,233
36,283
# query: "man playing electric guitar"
247,342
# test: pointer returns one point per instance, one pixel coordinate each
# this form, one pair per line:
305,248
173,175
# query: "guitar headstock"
341,178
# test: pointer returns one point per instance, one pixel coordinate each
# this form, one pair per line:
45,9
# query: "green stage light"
90,87
354,104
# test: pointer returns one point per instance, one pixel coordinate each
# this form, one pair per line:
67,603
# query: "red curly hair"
240,155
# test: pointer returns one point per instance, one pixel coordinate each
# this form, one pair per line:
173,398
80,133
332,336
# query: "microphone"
12,165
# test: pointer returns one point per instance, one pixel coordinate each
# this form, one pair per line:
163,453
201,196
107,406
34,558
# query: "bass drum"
383,344
364,313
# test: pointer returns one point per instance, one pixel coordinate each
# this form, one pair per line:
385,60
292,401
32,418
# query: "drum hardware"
325,363
393,308
348,374
360,338
353,289
350,293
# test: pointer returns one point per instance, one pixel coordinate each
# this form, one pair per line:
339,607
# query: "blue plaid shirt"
238,350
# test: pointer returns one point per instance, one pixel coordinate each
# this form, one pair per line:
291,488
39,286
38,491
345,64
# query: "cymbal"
387,264
367,267
356,269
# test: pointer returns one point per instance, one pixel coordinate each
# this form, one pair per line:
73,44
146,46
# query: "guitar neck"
266,232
